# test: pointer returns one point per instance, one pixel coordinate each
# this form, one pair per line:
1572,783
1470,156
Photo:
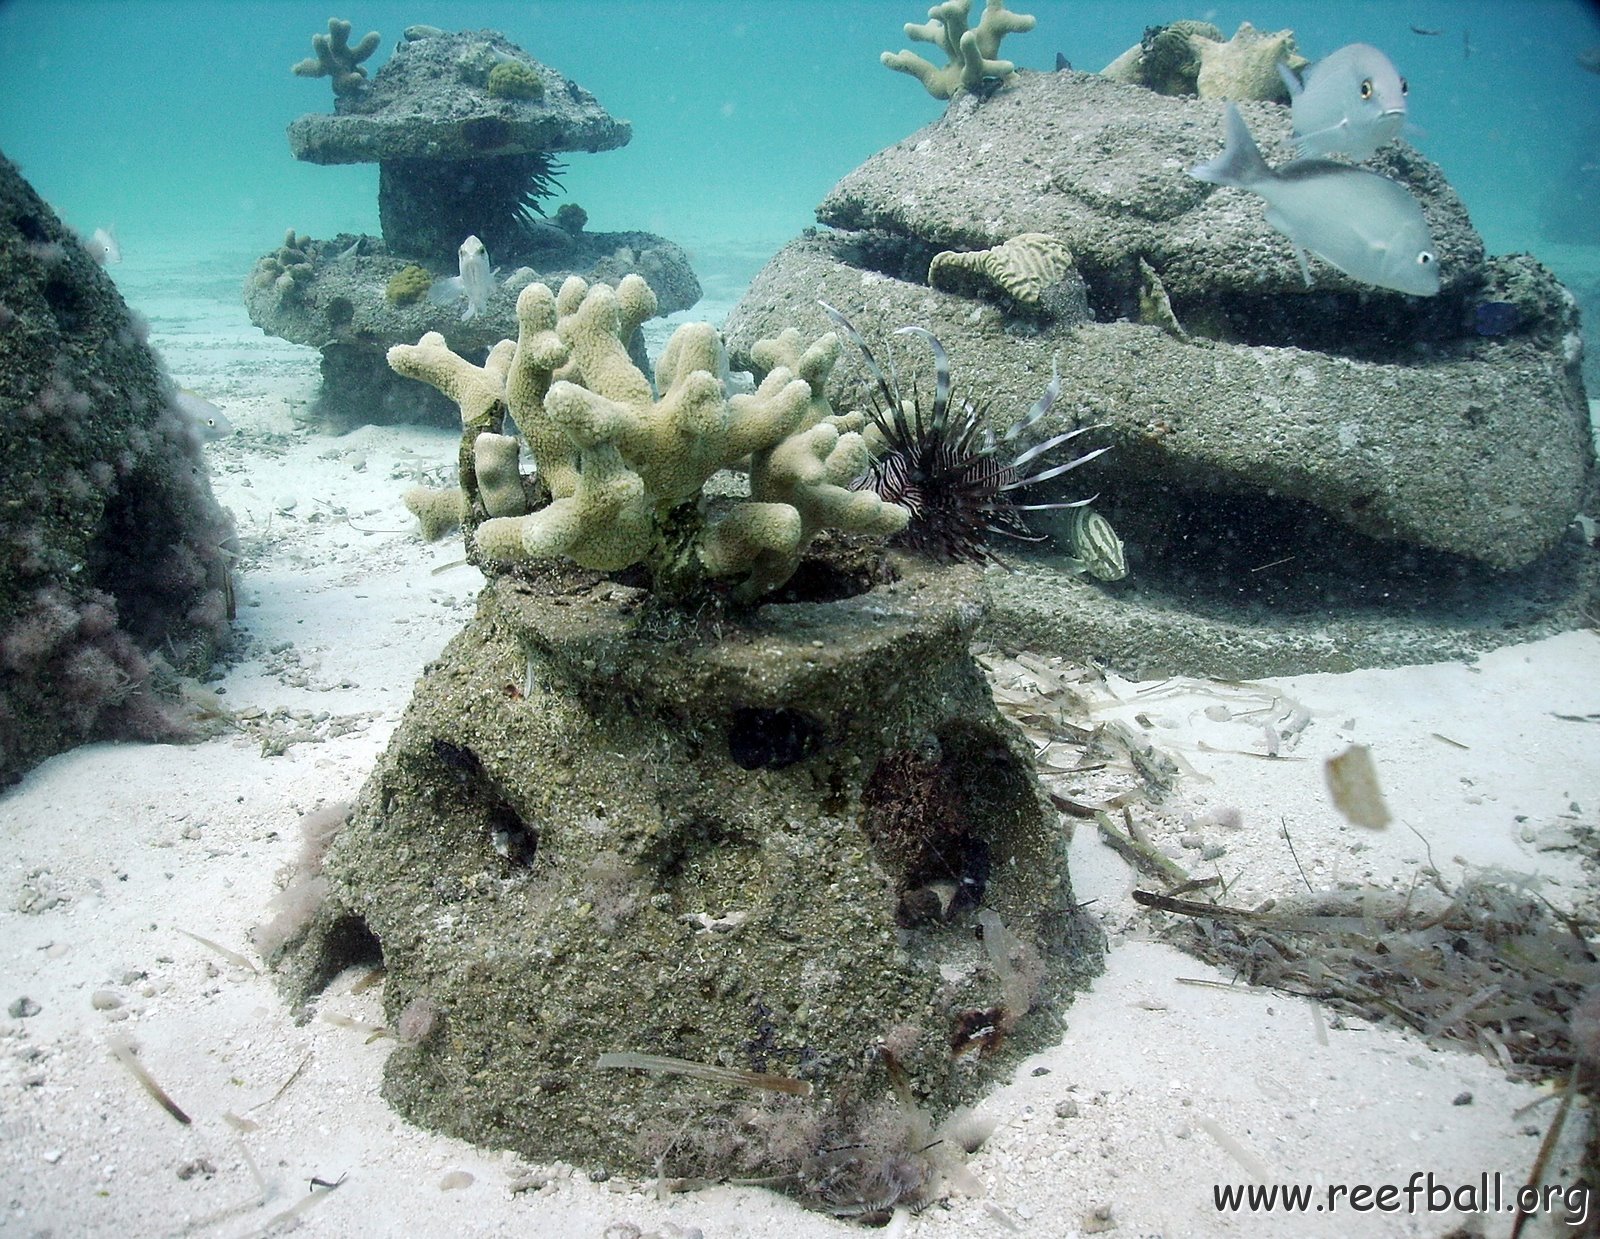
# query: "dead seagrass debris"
122,1048
1155,307
1487,965
732,1076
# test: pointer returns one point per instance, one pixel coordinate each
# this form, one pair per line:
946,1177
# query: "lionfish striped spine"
946,466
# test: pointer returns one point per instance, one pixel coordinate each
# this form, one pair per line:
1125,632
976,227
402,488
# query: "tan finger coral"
624,466
336,59
1022,268
971,53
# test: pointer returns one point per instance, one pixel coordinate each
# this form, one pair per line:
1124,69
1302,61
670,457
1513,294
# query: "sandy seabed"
121,858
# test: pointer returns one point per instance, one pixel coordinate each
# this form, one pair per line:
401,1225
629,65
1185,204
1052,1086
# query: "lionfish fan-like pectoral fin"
941,368
1041,406
887,391
1035,478
1050,445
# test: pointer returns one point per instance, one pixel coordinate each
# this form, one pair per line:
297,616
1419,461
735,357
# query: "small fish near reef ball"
475,282
1366,225
208,420
1349,103
103,246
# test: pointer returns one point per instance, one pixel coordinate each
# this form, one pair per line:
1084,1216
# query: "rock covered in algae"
432,101
114,554
1338,397
768,846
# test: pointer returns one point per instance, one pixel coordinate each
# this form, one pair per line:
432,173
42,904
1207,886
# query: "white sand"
115,852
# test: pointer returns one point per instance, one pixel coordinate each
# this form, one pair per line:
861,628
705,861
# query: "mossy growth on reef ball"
572,217
408,285
512,79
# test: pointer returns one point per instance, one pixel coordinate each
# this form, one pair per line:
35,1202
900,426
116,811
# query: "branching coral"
624,467
971,53
336,59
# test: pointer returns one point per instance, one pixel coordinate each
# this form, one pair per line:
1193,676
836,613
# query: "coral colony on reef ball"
970,54
653,820
622,470
465,128
1275,348
681,737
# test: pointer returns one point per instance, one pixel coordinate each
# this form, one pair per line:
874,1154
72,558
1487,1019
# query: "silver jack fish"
475,282
1349,103
1366,225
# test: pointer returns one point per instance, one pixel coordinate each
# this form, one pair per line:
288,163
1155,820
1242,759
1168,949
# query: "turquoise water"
167,118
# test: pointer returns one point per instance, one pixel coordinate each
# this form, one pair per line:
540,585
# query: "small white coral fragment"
494,459
705,923
438,510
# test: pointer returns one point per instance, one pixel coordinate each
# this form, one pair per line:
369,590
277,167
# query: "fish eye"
1425,259
1366,88
1405,87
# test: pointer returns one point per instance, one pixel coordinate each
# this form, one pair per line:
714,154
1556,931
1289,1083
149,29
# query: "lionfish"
944,464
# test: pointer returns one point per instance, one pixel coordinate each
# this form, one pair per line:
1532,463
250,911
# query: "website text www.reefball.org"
1421,1193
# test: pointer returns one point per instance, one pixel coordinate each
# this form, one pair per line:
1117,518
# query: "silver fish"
475,282
1349,103
103,246
210,421
1366,225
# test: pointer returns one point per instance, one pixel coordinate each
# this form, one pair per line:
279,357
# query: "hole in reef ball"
771,739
